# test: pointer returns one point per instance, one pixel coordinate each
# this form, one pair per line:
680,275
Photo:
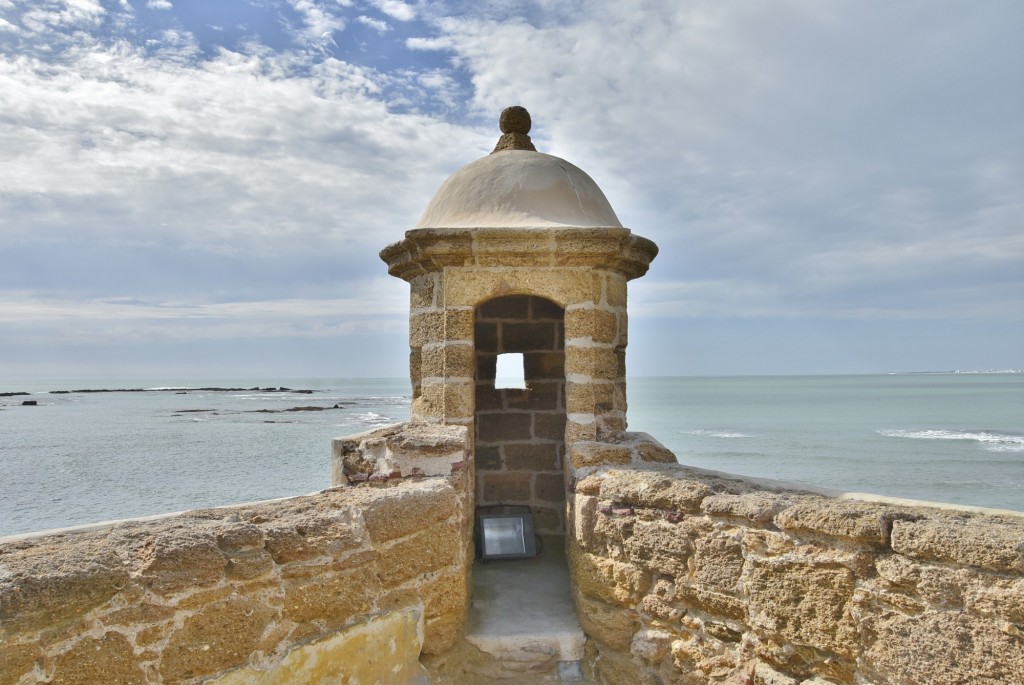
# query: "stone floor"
522,615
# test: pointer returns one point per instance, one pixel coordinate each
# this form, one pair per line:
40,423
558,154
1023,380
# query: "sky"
197,189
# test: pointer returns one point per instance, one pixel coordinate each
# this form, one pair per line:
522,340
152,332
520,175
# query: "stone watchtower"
520,252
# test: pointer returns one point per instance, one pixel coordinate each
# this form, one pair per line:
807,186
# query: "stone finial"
515,126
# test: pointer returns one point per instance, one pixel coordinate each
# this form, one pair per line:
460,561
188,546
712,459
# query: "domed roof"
517,187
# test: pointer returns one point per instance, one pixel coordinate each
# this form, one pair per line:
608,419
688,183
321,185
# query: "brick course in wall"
520,444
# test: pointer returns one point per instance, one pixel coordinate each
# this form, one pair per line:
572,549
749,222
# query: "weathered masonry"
520,252
678,576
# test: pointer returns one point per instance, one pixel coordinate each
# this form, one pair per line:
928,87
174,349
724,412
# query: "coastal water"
84,457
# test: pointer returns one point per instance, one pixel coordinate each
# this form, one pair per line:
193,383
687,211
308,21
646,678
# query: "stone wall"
682,576
520,445
353,581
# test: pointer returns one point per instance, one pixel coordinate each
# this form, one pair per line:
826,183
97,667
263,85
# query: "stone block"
17,660
528,337
718,563
766,675
45,586
758,507
440,326
439,635
400,511
488,400
589,398
143,612
945,648
661,547
109,659
549,487
417,440
331,599
544,365
485,339
447,594
239,536
610,625
1000,598
588,453
655,453
248,565
584,519
548,519
180,558
507,487
542,308
509,307
597,362
505,427
614,290
981,542
421,292
804,603
447,399
431,549
488,458
598,325
531,457
452,360
539,396
860,521
285,545
576,431
215,638
655,488
711,603
471,286
611,581
549,426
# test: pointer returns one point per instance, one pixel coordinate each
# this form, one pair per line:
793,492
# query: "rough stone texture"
108,659
190,597
685,576
400,450
385,649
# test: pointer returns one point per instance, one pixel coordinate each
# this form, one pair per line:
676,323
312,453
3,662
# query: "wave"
989,440
372,418
709,433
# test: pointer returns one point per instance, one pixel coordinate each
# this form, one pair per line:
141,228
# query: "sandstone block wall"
279,592
685,577
520,445
453,272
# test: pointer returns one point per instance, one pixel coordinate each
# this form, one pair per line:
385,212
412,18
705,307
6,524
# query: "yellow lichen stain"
383,651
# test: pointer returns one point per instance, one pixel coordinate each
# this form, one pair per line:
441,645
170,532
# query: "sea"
83,457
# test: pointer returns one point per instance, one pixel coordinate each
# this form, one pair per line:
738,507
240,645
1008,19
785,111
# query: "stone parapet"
398,451
282,590
683,575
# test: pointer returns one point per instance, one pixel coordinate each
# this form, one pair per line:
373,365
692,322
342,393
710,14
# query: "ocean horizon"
78,458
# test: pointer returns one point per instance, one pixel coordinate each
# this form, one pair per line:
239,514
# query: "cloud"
804,160
159,4
377,25
395,9
814,147
371,308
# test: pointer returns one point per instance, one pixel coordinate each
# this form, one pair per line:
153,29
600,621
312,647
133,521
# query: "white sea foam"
372,418
709,433
993,442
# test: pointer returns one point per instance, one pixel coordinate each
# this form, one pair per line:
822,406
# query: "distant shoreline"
95,390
